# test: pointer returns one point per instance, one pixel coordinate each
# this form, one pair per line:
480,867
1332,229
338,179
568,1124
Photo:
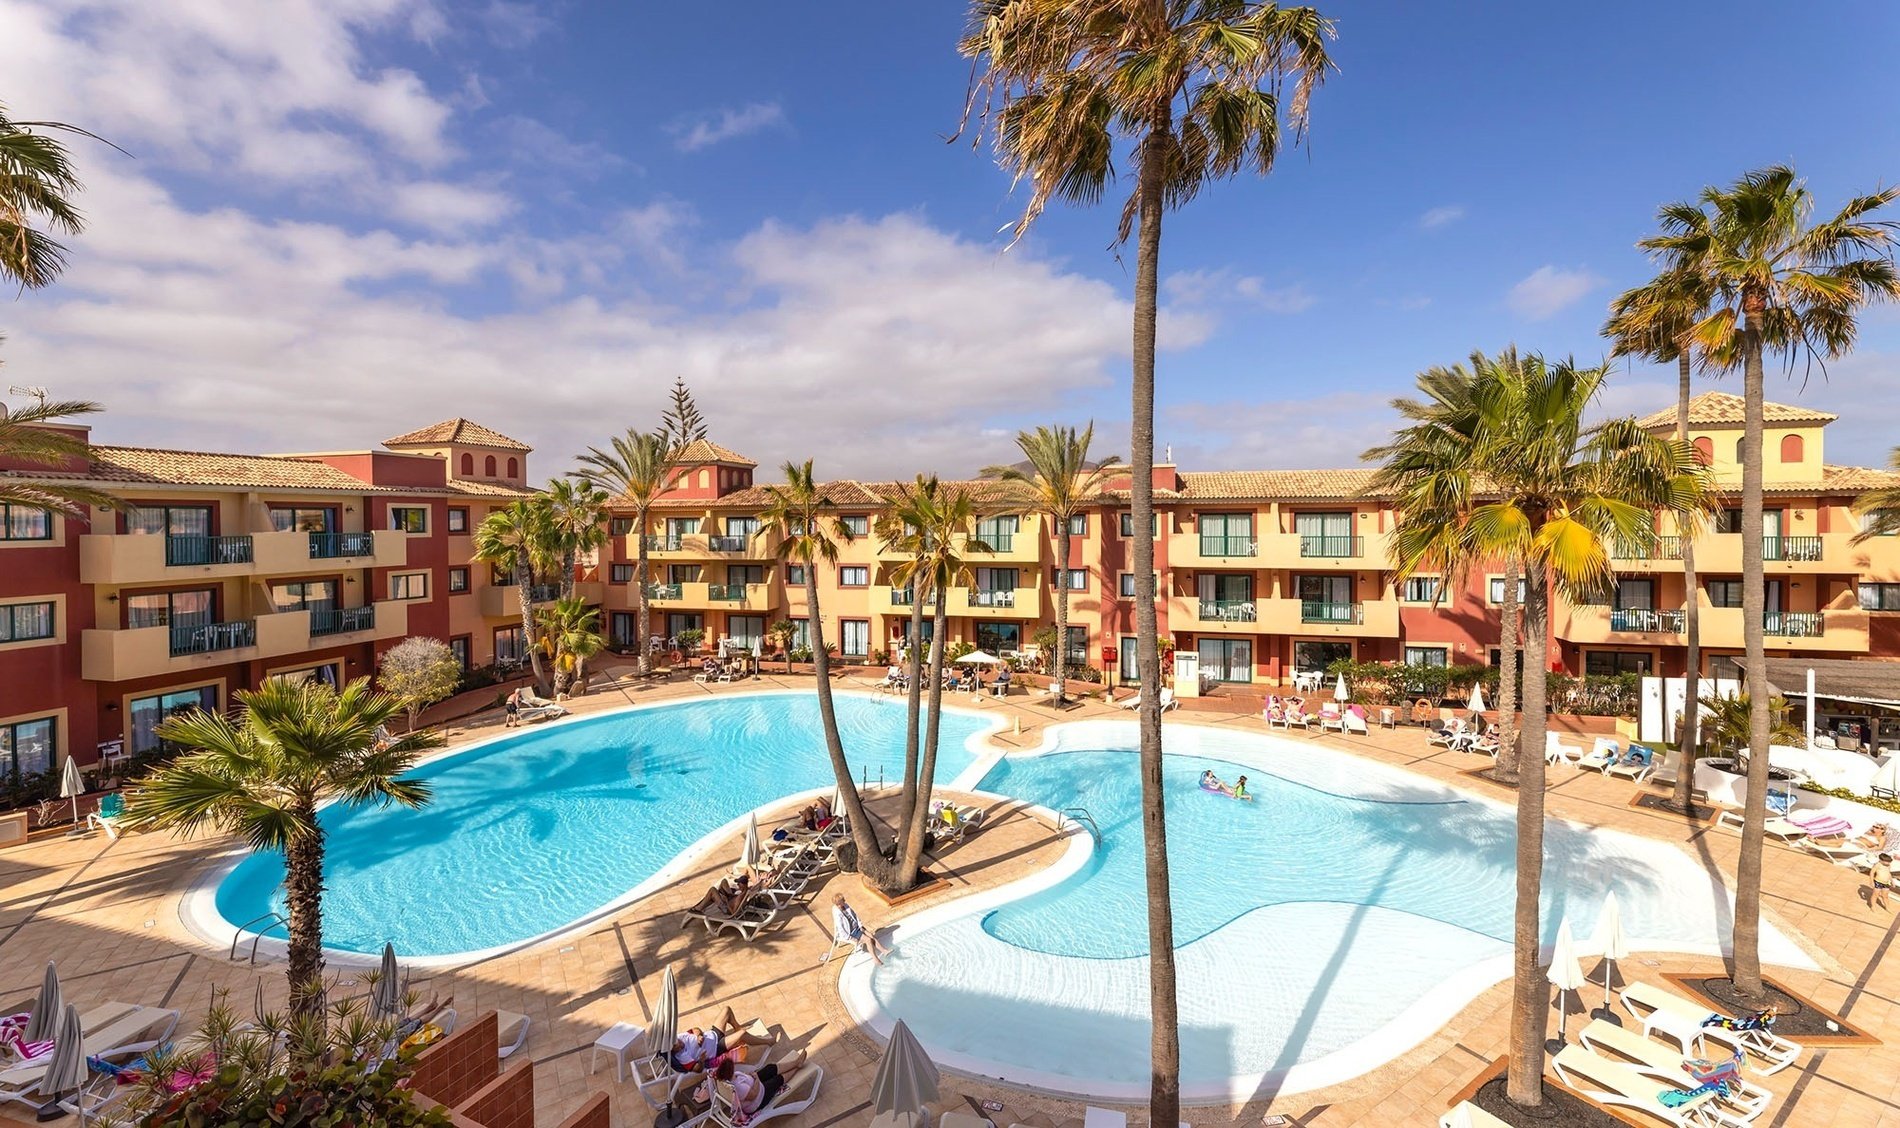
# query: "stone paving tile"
108,913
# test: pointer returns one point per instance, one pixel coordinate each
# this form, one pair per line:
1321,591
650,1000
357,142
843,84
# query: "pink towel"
1823,825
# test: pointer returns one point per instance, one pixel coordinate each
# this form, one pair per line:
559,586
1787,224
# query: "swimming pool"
535,831
1320,930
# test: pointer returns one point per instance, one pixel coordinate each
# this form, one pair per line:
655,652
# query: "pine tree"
682,422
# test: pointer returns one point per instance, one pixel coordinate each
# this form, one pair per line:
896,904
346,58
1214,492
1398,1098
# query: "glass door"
1227,659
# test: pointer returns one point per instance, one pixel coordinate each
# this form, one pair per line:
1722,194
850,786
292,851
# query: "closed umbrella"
1477,700
67,1071
1564,973
1339,690
664,1026
905,1080
1609,941
46,1009
1887,776
749,852
71,786
387,998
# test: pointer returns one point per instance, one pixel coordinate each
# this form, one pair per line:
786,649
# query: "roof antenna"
1167,453
36,392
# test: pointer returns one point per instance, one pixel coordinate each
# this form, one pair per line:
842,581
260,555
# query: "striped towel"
1823,825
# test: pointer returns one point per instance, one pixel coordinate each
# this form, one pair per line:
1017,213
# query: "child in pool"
1239,790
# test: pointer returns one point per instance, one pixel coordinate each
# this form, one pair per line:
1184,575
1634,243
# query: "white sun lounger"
1604,753
1789,832
1464,1112
964,1120
1557,751
1681,1020
799,1093
1665,1064
748,924
1613,1083
129,1035
511,1032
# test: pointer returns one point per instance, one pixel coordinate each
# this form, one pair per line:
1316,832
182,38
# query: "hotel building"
226,570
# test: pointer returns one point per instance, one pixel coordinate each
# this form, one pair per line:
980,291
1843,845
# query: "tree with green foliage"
576,512
516,539
37,183
634,470
681,423
418,672
25,437
569,636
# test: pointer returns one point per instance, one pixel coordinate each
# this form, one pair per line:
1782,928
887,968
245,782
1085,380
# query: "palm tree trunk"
1060,666
913,857
1164,1052
1689,738
871,863
524,585
641,628
568,558
1747,938
1530,990
909,802
1510,638
303,890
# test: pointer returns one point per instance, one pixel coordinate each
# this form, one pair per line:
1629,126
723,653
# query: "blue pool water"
530,833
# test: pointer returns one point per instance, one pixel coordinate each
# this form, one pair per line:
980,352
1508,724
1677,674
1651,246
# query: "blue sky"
346,220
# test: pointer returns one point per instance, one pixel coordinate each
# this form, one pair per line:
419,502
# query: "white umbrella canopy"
1477,699
664,1026
67,1071
387,998
749,852
1459,1117
906,1079
1564,973
980,658
1339,690
1887,776
46,1009
71,786
1609,941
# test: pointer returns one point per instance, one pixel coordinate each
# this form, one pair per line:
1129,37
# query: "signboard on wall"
1187,673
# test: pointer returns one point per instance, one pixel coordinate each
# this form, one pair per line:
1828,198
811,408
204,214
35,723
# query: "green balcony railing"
663,544
1659,548
1791,548
1332,546
342,620
993,597
186,551
1646,621
727,544
205,638
1793,624
1227,611
1324,611
330,546
726,593
1229,546
663,591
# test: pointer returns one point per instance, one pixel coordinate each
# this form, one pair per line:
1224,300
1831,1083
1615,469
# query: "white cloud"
1327,431
1549,290
1210,290
1279,299
1441,216
704,130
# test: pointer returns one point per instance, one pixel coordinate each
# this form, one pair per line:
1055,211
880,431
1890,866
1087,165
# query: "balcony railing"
1229,546
1793,624
663,591
662,544
207,550
1332,546
1661,548
997,597
1322,611
543,593
342,620
329,546
204,638
1646,621
727,544
726,593
902,597
1227,611
1791,548
998,542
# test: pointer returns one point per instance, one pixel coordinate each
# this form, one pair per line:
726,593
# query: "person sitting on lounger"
725,897
816,815
696,1049
1873,838
750,1091
846,928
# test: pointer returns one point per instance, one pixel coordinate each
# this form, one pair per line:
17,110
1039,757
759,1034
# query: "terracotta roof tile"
457,430
1250,485
490,489
134,465
705,450
1721,409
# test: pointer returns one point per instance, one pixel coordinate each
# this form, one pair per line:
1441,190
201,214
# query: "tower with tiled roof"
470,451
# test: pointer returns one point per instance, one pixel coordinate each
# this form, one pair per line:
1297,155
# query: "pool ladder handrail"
272,918
864,777
1081,817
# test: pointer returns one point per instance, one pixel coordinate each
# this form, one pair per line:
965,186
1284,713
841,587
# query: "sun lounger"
1665,1064
1788,832
1354,721
747,923
1820,824
129,1035
1666,772
1466,1113
1331,718
1613,1083
511,1031
1556,751
799,1093
1636,764
964,1120
1681,1020
1445,736
1844,855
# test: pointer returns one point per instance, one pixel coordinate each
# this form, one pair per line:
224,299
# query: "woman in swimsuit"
1239,790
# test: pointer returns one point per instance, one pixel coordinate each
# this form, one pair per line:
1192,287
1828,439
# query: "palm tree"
1728,724
636,469
1194,88
1657,320
570,635
514,538
1497,463
783,632
291,747
577,521
25,438
36,177
801,514
1880,507
1059,483
1781,282
901,528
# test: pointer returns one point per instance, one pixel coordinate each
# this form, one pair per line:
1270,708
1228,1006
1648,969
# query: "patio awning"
1860,682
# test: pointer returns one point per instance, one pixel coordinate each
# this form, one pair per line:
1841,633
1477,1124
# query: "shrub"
25,789
1388,683
418,672
689,639
479,677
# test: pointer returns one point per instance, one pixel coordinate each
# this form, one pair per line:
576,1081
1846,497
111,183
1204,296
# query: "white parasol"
1564,973
1339,691
1609,941
749,852
1477,699
980,658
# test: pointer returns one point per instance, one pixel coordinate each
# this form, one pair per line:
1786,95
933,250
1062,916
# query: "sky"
337,220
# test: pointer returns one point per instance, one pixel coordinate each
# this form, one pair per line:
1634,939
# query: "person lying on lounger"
816,815
696,1049
725,897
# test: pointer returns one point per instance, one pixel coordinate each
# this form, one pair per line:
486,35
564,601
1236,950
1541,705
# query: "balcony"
669,592
726,593
1228,548
342,620
115,655
504,600
1661,548
206,638
1282,616
1793,624
1325,611
661,544
996,603
1332,548
1228,611
1834,630
1646,621
727,544
1594,623
1722,552
119,559
709,597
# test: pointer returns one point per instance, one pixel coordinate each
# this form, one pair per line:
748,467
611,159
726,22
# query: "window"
1127,660
409,518
1880,522
1496,594
678,528
508,648
854,637
1730,521
169,520
25,522
999,638
1424,589
620,628
1427,656
27,747
302,519
1227,659
619,526
148,712
1225,597
468,465
1128,524
1874,597
1226,534
514,468
620,573
1078,524
1725,593
1791,448
998,532
458,646
853,576
1741,450
795,574
748,527
304,595
1311,656
747,631
1078,579
1497,658
996,587
1325,534
1704,450
22,621
458,579
1078,654
1635,595
458,519
739,574
1326,598
409,585
682,573
856,525
1604,663
1126,584
174,608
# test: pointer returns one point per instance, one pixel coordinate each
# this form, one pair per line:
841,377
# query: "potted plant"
689,640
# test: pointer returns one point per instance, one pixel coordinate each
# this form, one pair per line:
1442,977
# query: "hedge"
1390,683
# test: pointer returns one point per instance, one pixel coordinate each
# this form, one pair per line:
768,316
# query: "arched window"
514,468
468,464
1791,448
488,466
704,478
1741,450
1704,450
